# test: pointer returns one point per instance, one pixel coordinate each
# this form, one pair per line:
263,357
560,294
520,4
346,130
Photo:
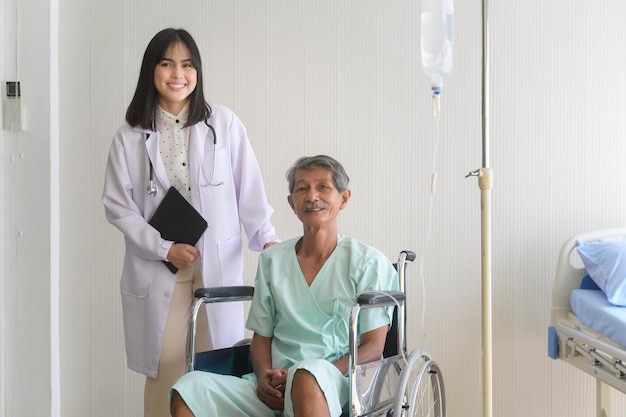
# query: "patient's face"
315,199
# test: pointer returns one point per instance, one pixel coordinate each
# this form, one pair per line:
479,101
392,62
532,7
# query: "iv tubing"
421,259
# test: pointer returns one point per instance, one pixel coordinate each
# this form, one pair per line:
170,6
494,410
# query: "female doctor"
173,138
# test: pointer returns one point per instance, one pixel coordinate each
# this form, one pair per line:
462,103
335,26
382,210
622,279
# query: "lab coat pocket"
216,174
231,262
137,276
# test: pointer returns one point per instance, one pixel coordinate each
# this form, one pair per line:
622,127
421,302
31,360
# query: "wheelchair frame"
415,377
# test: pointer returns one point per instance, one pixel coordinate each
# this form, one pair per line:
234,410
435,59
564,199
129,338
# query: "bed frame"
575,343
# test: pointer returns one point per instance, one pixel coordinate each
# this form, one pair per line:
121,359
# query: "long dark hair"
142,108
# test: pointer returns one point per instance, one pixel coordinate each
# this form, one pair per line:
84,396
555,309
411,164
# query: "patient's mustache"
318,206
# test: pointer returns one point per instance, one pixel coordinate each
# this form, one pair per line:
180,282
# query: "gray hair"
340,178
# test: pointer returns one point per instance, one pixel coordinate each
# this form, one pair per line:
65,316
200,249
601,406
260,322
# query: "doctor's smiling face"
175,78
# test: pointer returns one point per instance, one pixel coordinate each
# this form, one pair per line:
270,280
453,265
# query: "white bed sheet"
593,309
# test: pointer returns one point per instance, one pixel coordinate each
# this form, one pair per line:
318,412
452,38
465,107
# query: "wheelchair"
400,384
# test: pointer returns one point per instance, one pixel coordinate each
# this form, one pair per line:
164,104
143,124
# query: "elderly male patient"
304,290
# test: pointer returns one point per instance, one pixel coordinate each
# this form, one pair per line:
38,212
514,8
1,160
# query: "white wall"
342,78
29,272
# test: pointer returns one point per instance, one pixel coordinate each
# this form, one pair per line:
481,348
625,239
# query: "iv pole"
484,175
485,183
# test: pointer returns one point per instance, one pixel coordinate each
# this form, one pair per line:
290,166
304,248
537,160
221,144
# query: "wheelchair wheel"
421,392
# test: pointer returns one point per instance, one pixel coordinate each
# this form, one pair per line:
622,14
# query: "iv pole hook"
473,173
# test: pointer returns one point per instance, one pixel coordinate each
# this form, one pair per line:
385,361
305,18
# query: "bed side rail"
592,355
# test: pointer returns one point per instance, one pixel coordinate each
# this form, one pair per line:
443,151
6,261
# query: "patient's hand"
271,388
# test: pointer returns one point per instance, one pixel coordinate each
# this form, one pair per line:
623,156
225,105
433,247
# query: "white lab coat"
146,284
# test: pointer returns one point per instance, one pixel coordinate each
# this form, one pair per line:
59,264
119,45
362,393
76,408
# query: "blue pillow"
605,263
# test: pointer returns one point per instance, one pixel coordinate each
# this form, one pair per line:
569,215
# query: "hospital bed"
401,383
586,330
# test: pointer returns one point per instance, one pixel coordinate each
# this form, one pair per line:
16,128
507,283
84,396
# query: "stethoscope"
151,189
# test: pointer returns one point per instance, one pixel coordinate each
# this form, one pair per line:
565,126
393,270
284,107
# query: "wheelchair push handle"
404,257
408,255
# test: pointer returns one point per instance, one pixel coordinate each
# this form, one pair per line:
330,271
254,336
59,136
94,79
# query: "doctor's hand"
271,388
182,255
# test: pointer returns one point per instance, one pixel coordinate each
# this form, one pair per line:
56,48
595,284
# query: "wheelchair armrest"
376,298
221,294
211,295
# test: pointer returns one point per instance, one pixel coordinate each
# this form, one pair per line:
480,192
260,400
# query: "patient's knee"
178,406
306,395
304,384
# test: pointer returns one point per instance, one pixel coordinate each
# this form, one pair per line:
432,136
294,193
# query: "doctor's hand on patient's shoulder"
182,255
271,388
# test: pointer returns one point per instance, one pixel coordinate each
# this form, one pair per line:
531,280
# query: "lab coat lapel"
154,153
197,141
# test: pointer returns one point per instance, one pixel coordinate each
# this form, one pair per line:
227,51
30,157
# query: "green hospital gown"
308,324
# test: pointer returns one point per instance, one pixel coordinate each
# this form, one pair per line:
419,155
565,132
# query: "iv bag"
437,33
